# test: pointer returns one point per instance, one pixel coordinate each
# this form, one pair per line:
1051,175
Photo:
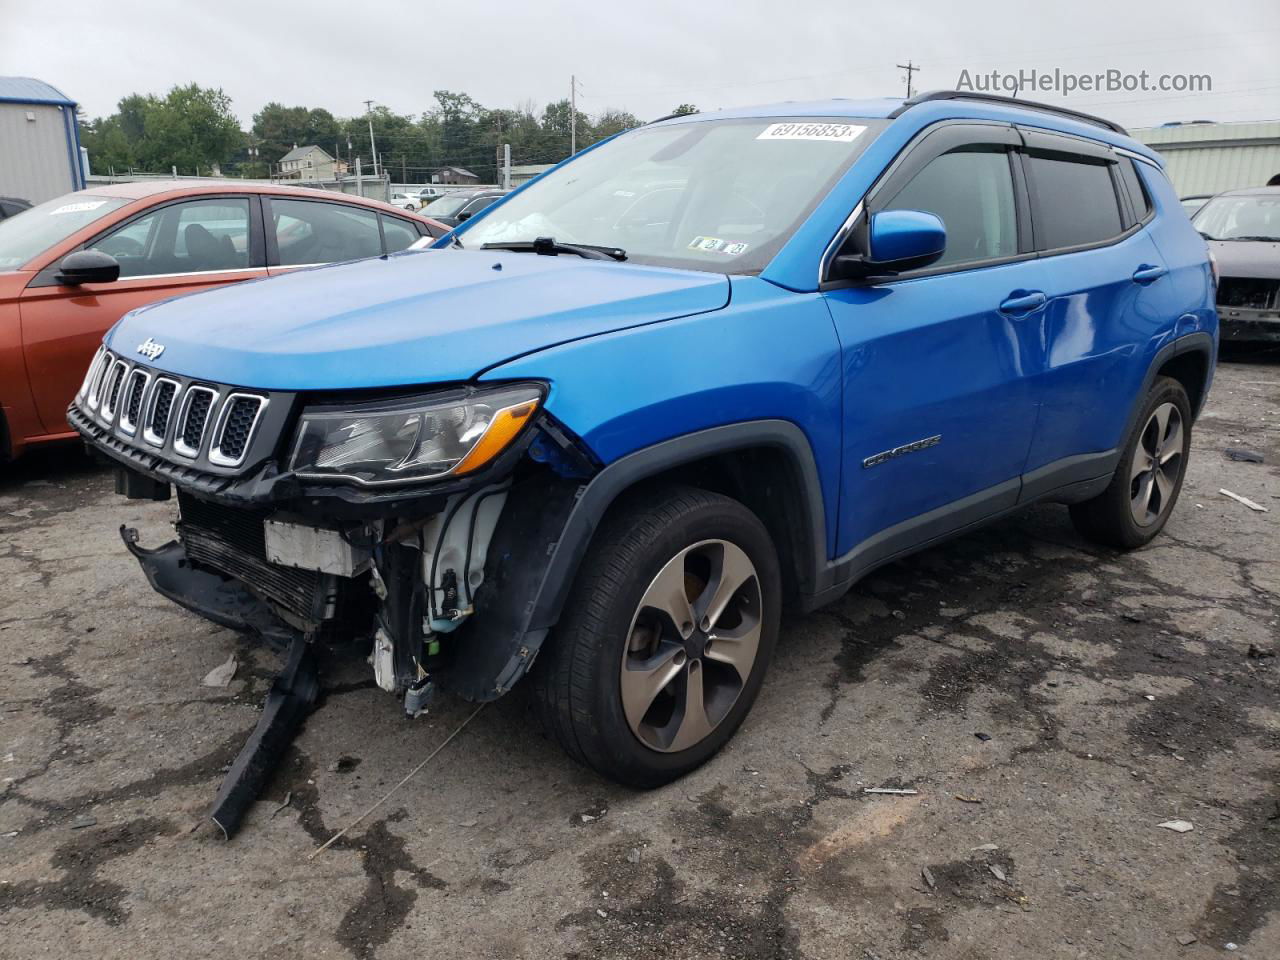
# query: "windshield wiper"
550,247
1253,239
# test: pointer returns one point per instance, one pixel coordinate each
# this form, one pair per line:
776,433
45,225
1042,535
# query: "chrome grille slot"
159,407
90,373
189,431
112,384
100,378
239,416
135,390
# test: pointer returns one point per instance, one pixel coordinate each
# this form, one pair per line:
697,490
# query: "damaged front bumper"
444,600
223,600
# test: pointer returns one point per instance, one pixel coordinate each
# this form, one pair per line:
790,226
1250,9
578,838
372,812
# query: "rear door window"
1074,200
312,232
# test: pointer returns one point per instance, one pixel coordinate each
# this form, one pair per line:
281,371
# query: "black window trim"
1088,149
273,251
48,277
946,136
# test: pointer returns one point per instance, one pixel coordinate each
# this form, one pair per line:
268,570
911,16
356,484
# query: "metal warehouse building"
1212,157
39,142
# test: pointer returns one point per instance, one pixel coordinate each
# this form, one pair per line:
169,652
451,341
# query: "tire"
1134,509
613,627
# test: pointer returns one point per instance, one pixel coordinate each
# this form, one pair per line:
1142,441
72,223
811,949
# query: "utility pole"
373,148
573,115
506,166
910,68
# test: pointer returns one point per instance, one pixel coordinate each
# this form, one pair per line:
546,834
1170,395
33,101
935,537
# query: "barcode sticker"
831,132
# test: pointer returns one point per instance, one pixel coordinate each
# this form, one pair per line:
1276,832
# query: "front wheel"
1137,503
667,636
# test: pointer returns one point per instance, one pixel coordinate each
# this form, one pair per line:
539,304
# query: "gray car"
1242,228
459,205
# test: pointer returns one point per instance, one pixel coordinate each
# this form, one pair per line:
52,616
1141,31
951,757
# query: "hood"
430,316
1247,258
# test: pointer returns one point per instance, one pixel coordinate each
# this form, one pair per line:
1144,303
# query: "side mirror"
465,215
896,240
88,266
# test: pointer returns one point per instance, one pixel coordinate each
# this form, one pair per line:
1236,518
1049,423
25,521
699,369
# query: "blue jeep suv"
721,364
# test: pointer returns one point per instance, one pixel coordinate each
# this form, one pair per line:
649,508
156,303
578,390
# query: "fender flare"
598,495
1198,342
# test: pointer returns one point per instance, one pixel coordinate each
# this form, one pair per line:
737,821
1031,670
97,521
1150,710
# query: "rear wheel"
670,629
1137,503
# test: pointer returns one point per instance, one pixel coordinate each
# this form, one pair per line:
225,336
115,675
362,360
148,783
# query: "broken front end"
421,524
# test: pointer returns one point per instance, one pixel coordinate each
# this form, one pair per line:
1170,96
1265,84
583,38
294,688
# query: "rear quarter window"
1134,187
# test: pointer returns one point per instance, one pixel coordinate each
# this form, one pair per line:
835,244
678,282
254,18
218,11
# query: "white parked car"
405,201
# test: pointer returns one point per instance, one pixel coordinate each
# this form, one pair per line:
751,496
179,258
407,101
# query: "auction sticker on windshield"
81,206
716,245
832,132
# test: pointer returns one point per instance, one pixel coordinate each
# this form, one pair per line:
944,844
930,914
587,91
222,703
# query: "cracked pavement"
1051,703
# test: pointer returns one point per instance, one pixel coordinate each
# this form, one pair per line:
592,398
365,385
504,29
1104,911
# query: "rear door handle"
1022,302
1148,273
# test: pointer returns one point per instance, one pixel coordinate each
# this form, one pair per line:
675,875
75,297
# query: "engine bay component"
307,547
455,547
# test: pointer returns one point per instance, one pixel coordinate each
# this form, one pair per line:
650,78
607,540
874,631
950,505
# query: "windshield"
446,206
720,195
33,231
1240,218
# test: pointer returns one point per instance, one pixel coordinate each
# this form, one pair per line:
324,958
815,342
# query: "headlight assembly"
420,438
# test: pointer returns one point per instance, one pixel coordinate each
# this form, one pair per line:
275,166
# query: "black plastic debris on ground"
1243,455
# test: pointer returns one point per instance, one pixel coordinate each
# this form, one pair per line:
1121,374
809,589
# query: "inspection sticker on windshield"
831,132
78,207
716,245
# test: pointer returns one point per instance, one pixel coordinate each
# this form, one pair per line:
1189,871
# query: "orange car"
71,267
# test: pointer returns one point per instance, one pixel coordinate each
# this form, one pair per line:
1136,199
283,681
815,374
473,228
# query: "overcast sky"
645,57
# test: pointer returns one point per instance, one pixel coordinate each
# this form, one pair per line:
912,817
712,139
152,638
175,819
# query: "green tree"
611,122
684,110
192,128
278,129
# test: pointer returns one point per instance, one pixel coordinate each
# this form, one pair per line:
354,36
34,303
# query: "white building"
39,142
310,163
1207,158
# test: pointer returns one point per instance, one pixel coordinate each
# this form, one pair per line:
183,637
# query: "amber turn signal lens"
504,427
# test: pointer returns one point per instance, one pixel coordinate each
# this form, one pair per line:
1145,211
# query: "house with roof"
310,163
454,175
40,156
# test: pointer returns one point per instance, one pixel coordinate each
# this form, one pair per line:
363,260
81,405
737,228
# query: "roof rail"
1009,101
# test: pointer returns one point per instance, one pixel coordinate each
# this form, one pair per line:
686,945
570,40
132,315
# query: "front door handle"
1022,302
1148,273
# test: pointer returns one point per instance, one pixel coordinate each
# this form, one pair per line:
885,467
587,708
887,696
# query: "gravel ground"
1051,702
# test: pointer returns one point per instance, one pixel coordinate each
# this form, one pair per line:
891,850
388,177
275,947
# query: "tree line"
194,129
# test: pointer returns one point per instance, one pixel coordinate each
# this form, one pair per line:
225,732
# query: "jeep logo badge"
150,349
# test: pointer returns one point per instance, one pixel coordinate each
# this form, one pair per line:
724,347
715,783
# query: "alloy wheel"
1157,464
691,646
